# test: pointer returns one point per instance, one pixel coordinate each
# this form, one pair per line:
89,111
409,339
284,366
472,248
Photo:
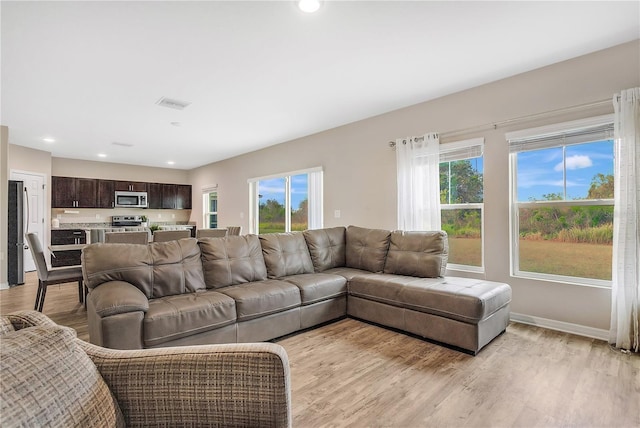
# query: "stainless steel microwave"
131,199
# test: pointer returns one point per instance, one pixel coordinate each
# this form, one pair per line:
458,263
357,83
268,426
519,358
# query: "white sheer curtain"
417,161
625,292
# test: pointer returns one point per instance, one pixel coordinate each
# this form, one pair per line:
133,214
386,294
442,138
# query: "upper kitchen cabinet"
106,194
183,197
176,196
154,195
130,186
71,192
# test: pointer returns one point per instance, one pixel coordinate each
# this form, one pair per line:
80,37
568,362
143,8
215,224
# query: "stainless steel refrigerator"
16,232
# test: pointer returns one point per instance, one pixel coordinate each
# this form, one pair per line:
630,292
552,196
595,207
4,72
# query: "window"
287,202
562,201
461,199
210,208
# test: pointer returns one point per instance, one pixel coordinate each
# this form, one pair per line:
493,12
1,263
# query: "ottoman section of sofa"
463,299
174,317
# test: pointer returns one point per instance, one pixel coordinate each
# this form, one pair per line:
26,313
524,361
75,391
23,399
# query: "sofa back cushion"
285,254
421,254
232,260
327,247
158,269
367,248
47,380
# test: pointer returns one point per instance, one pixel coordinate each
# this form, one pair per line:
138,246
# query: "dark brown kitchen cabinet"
72,192
106,194
176,196
130,186
154,195
169,196
68,237
183,197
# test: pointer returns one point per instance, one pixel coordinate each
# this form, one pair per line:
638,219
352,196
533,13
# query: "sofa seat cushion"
463,299
347,272
327,247
257,299
48,380
173,317
316,287
367,248
285,254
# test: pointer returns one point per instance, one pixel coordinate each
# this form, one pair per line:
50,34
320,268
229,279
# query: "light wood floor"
355,374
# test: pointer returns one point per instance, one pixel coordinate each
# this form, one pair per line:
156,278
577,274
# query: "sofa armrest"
117,297
222,385
24,319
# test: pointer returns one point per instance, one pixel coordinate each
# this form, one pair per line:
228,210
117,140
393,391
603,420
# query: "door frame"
46,210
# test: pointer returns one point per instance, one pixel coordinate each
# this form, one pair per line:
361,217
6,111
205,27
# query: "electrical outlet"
173,216
159,215
241,215
336,214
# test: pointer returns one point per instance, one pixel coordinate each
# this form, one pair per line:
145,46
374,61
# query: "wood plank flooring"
353,374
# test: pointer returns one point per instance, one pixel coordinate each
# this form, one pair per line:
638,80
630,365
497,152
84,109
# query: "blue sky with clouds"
540,172
274,188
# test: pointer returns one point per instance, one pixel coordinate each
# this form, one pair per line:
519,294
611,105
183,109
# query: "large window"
562,194
287,202
461,198
210,208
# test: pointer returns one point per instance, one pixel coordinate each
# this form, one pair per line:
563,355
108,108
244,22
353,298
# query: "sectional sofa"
254,288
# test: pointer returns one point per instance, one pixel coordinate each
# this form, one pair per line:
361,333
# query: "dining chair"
126,238
48,276
234,230
170,235
211,233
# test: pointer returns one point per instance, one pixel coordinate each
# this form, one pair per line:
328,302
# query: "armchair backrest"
170,235
211,233
126,237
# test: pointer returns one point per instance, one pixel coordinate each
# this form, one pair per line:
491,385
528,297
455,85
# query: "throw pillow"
47,380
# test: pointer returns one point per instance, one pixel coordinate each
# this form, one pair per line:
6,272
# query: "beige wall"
114,171
359,167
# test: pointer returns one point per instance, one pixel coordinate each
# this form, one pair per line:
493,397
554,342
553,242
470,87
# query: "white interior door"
34,202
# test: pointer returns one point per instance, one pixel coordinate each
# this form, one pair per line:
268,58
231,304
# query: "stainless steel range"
126,220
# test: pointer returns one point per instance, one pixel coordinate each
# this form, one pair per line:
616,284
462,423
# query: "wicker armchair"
211,385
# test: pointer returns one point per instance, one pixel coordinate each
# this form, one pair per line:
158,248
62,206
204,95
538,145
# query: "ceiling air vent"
116,143
175,104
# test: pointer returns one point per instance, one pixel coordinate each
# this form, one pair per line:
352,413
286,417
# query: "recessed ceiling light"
309,6
102,155
176,123
171,162
49,140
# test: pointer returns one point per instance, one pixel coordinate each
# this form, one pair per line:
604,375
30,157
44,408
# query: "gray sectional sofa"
254,288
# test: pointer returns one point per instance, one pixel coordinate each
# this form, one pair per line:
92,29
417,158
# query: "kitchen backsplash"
102,217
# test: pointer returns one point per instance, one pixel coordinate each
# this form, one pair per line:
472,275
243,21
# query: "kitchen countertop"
54,248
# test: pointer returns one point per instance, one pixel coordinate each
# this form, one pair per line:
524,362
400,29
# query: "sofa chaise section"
411,294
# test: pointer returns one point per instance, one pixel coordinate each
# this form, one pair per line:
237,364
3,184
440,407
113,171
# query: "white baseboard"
565,327
4,286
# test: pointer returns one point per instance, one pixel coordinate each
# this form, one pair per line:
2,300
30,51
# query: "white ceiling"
88,74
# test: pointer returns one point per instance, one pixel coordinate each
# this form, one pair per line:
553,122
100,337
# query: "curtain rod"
495,125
